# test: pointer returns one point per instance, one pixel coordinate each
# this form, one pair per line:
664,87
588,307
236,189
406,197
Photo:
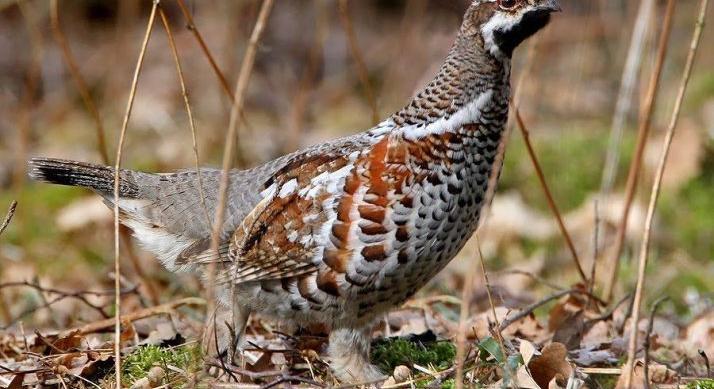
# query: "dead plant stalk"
656,187
117,166
466,294
79,81
189,113
194,30
231,138
8,217
642,136
91,107
549,196
497,325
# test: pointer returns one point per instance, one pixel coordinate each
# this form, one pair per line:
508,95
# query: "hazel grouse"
341,232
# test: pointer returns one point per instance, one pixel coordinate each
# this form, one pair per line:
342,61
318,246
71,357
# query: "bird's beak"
550,6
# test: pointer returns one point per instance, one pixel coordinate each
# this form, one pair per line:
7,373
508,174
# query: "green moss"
137,364
701,384
392,352
604,381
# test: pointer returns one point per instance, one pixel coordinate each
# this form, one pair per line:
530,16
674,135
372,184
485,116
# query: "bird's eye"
508,4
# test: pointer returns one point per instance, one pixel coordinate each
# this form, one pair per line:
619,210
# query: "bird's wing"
280,237
289,228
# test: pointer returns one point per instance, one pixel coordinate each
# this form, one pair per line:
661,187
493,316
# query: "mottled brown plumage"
341,232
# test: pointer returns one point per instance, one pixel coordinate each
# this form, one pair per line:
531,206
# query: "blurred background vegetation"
305,89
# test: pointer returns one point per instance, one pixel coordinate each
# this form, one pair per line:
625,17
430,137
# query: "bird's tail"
96,177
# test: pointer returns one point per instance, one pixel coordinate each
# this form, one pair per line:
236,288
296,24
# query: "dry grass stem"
194,30
231,136
8,217
549,196
4,310
642,136
122,136
529,309
362,73
648,335
91,107
81,85
189,112
497,325
466,295
596,247
656,187
624,97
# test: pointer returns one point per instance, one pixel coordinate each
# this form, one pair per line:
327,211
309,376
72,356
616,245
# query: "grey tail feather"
96,177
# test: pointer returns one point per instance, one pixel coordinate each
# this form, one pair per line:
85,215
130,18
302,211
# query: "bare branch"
549,196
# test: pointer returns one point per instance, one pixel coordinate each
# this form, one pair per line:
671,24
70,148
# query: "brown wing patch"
275,240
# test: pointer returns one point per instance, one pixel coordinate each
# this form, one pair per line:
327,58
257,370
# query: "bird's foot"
349,356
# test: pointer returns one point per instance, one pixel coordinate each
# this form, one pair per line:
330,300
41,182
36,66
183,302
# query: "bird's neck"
470,78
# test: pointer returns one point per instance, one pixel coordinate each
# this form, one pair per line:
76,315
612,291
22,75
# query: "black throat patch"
532,21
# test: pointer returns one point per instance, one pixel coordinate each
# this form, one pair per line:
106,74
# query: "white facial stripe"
503,21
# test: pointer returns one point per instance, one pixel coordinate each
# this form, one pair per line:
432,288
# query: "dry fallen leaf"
551,364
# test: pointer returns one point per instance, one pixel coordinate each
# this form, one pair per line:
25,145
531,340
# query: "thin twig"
362,73
137,315
529,309
650,327
194,30
497,325
122,135
596,247
79,81
466,295
91,107
644,248
8,217
642,136
82,296
549,196
191,122
231,136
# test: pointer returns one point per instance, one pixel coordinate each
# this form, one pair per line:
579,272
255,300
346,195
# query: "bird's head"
503,24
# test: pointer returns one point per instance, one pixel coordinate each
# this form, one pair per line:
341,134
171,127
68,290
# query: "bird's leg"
349,355
239,315
224,335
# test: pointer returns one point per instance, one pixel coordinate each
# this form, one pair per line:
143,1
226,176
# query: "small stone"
401,374
156,376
